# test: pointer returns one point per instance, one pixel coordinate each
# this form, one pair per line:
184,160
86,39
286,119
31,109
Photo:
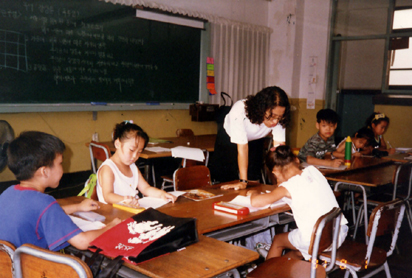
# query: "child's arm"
324,162
340,151
82,241
106,181
151,191
384,147
261,200
85,205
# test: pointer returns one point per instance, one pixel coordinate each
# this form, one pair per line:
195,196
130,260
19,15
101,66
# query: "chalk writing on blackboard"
93,51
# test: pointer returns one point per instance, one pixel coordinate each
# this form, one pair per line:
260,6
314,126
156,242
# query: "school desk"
363,179
399,157
209,256
206,142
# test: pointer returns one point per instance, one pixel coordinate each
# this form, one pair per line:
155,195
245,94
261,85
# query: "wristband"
244,181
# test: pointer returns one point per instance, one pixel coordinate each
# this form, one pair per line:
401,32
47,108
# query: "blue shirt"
29,216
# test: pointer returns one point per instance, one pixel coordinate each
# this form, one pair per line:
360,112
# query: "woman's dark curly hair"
268,98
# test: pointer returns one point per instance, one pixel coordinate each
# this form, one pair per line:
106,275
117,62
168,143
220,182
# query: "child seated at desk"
378,123
118,178
363,138
308,194
323,142
30,216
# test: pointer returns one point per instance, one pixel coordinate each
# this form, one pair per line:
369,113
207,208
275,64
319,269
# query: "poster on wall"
310,101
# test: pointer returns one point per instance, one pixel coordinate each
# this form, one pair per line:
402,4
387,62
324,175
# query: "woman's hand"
236,186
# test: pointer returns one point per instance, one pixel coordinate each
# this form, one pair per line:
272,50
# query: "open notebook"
245,202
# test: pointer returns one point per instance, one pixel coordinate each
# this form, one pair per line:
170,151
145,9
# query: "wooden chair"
182,132
386,219
402,187
325,234
168,179
98,151
6,259
192,177
31,261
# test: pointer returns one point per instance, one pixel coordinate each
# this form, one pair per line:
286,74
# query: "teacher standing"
239,144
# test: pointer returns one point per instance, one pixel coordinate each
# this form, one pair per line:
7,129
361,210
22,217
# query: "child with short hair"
30,216
308,194
378,123
323,142
118,178
362,138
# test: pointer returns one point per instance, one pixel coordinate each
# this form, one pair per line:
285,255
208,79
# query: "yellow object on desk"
128,208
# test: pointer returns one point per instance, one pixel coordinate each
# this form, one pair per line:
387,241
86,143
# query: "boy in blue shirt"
323,142
27,214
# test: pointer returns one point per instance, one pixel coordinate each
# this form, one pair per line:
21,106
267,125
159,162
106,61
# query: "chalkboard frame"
115,106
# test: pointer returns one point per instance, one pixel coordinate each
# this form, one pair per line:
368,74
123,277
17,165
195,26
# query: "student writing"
308,194
378,123
362,139
323,142
118,178
30,216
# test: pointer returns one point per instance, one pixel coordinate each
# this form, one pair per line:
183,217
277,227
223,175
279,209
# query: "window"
400,51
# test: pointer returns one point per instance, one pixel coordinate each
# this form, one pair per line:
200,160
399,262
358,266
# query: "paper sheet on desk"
245,202
86,225
158,149
188,153
149,202
341,167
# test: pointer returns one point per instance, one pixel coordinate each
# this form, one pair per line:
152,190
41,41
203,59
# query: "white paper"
403,150
188,153
158,149
245,202
150,202
341,167
86,225
177,193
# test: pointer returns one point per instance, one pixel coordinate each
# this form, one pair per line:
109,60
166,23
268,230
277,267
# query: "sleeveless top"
124,186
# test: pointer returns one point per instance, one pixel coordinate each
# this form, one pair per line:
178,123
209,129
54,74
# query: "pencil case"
231,208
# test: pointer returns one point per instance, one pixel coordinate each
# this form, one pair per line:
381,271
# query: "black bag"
224,109
95,264
147,235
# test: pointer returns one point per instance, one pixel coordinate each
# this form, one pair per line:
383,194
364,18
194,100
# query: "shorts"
296,239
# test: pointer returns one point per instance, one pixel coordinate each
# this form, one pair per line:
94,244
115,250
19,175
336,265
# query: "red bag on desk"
147,235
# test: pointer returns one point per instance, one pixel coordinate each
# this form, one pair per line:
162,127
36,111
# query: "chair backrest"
192,177
403,180
385,219
6,258
183,132
325,235
98,151
31,261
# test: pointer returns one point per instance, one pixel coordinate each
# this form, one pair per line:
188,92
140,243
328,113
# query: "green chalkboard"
82,51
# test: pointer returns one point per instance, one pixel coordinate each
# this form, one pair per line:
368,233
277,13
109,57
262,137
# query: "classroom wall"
76,128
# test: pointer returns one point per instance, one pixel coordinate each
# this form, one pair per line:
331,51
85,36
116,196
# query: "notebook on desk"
341,167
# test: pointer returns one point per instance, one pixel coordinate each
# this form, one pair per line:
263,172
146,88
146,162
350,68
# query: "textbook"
245,202
199,195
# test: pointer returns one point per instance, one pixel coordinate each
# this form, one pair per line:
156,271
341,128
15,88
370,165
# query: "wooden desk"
361,178
198,141
358,163
207,258
398,157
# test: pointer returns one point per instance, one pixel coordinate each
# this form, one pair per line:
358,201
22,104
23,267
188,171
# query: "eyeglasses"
274,118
